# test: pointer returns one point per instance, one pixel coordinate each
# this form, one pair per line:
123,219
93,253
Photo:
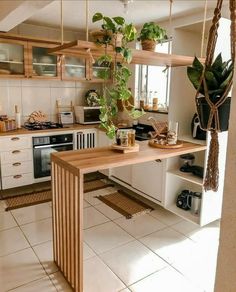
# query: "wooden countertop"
24,131
89,160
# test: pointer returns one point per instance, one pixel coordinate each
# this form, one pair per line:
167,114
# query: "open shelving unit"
81,48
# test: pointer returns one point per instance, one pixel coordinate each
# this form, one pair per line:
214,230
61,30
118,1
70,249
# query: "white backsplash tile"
32,95
36,99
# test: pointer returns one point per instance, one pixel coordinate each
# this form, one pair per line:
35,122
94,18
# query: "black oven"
42,149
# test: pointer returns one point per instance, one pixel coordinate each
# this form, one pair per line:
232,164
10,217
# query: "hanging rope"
211,181
87,30
62,23
204,29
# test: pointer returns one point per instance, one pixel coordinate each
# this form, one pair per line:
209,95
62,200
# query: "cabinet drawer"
16,156
14,181
15,142
16,168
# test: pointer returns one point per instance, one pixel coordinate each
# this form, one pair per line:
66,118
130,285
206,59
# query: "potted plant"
116,31
216,78
150,34
118,91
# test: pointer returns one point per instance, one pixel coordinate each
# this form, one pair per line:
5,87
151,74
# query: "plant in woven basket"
150,34
216,78
118,91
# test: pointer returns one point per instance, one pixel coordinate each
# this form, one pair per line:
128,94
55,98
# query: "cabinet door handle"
15,138
15,151
17,176
158,160
16,164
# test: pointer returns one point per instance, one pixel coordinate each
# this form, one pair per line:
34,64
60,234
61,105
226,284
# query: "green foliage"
152,31
115,25
217,76
119,90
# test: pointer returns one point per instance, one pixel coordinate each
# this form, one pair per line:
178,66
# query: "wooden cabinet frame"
25,58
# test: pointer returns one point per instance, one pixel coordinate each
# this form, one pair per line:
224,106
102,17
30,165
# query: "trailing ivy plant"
120,74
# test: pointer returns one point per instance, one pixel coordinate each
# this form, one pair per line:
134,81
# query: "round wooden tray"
126,149
166,146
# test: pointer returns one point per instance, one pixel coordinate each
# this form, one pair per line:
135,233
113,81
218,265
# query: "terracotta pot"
203,110
148,45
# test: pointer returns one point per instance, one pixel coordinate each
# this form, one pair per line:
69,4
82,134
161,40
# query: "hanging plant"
118,91
213,82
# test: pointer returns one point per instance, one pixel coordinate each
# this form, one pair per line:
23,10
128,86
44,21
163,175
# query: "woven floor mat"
125,204
39,197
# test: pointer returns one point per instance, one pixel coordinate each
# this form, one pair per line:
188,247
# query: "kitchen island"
68,169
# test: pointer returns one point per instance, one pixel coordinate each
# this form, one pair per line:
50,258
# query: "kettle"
197,132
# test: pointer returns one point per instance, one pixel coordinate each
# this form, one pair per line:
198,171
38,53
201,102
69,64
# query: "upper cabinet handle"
15,138
16,164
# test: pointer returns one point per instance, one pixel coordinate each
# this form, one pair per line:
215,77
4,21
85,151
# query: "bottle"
155,101
17,117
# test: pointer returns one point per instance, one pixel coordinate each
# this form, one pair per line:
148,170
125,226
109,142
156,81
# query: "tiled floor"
155,252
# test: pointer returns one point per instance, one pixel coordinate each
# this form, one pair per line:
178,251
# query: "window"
153,81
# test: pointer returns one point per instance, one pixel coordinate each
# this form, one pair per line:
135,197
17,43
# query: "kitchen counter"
24,131
68,169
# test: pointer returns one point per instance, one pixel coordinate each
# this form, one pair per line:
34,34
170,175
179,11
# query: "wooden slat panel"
72,228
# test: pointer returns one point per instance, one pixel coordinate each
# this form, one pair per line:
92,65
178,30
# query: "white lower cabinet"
148,178
16,161
123,173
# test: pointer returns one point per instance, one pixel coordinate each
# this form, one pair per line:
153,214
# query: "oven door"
42,157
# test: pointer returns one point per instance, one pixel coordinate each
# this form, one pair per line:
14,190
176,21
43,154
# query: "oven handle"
52,145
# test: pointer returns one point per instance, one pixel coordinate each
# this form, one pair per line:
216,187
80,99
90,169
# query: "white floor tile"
141,225
125,290
166,280
93,217
38,232
169,244
132,262
12,240
19,268
186,227
86,204
108,211
42,285
88,252
2,206
90,197
99,278
105,237
60,283
32,213
6,221
165,216
44,252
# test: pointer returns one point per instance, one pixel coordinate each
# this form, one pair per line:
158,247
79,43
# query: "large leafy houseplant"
216,79
150,34
118,91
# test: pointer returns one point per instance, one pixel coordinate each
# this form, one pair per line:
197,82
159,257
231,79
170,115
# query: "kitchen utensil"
196,203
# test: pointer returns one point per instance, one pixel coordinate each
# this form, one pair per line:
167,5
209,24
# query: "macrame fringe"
211,181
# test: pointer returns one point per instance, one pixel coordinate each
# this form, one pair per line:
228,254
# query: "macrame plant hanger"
211,180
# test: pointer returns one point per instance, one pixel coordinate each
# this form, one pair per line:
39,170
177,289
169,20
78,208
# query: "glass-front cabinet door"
97,72
75,68
42,64
13,58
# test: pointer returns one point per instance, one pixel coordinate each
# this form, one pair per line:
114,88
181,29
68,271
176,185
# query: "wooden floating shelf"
79,48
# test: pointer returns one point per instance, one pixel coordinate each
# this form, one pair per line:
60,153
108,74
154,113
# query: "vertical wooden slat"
72,229
67,191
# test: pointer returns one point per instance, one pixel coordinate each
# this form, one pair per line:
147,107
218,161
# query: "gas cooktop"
42,126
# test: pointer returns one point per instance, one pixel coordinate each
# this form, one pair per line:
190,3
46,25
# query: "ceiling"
138,11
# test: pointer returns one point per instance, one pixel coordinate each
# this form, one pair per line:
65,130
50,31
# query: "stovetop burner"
42,126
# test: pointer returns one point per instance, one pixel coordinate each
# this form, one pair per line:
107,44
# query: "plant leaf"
197,64
194,76
119,20
97,16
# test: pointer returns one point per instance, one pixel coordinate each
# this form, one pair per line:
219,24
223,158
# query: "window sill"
157,112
